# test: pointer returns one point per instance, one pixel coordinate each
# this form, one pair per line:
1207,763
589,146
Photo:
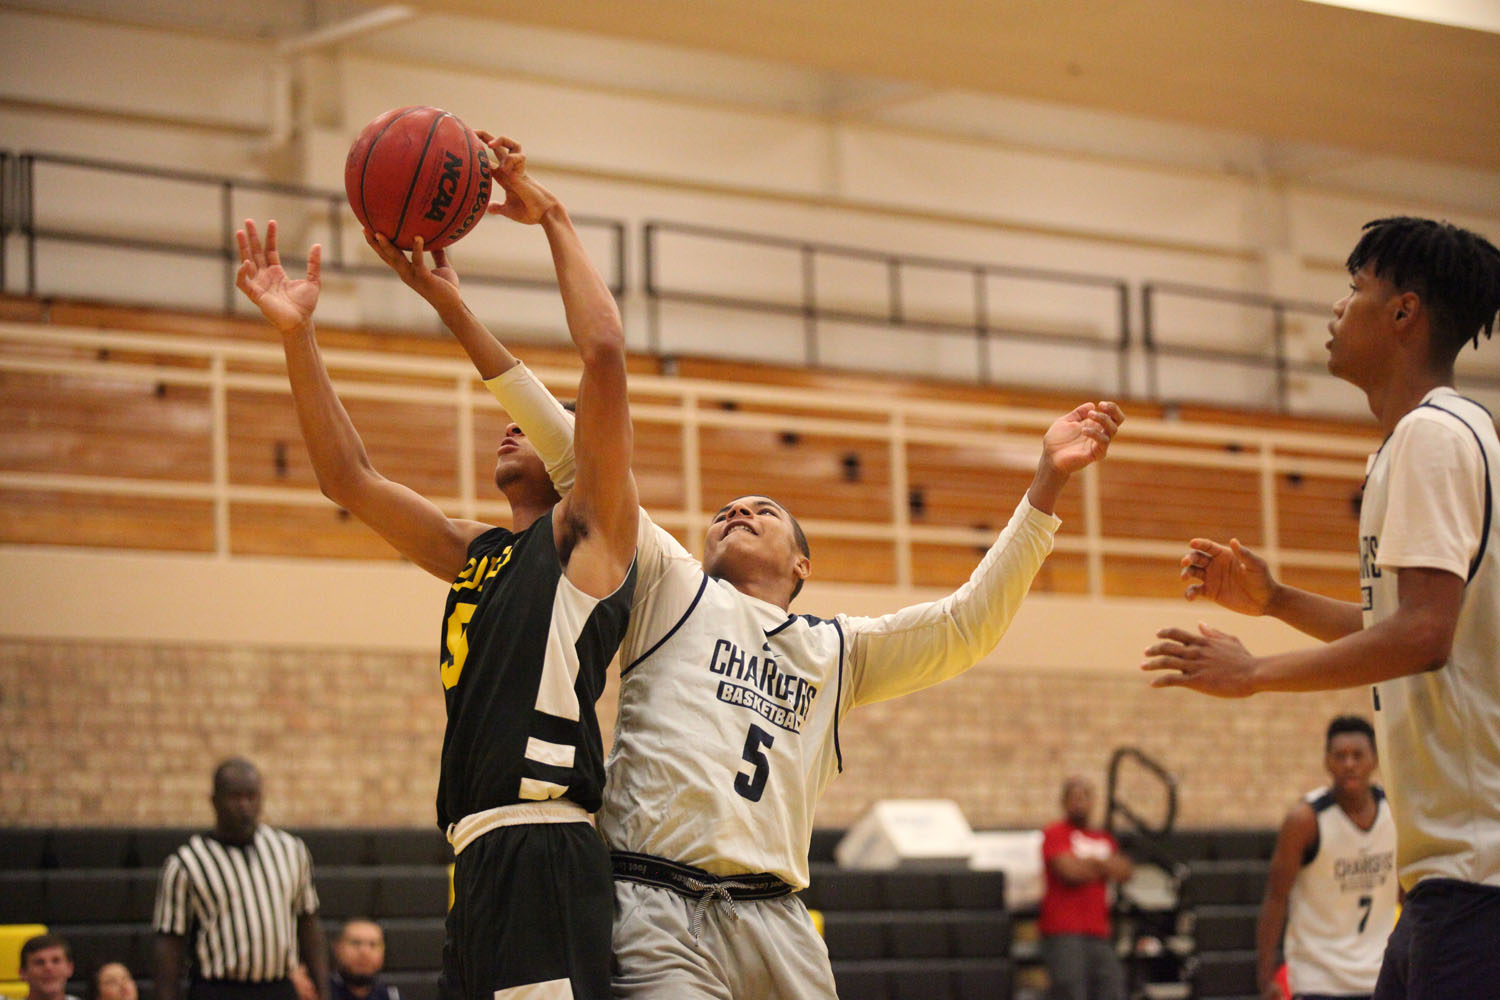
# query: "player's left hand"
1081,437
1208,661
526,201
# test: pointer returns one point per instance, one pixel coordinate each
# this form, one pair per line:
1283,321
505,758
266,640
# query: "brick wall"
103,733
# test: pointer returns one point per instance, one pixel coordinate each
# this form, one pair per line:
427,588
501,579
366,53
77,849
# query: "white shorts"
766,949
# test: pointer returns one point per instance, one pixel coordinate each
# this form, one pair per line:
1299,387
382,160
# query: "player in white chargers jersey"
1427,630
728,728
1332,884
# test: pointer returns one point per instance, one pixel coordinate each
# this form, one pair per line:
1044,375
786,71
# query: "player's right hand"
1230,575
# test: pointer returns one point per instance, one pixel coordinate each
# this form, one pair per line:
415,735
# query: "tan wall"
126,733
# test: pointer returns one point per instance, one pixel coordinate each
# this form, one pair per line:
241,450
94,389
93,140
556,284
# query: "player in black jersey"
533,617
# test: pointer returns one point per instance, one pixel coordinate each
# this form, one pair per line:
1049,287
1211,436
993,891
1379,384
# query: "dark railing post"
618,286
26,209
336,231
5,203
1148,340
893,288
653,303
982,322
1123,358
1278,345
231,264
810,304
620,283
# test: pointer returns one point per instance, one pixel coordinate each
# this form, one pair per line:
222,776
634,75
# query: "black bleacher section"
891,935
914,935
1226,881
97,888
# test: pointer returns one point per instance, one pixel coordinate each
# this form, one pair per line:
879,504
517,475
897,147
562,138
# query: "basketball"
418,171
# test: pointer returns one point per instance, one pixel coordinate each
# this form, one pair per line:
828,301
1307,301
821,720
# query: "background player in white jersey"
1333,878
729,714
1427,632
533,617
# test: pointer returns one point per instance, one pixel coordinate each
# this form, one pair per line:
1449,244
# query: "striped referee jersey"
238,904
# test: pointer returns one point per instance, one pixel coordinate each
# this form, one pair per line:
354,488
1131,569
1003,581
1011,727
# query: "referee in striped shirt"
237,905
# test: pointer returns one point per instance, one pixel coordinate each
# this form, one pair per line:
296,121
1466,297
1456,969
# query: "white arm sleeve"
919,646
548,426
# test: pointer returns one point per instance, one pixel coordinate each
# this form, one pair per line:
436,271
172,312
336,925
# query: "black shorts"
1446,946
532,903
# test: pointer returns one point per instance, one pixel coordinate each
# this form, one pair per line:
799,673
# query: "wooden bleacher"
67,411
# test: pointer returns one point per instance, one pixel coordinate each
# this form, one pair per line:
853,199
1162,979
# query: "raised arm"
409,522
598,516
926,643
596,522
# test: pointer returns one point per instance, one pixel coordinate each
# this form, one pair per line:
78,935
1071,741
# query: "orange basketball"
418,171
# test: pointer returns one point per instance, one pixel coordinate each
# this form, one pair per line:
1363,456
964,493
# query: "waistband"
475,825
695,883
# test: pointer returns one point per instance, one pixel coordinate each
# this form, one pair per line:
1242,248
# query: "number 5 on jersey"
755,768
458,643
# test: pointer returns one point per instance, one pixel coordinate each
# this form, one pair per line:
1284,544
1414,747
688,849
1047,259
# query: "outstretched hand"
526,201
1230,575
1209,661
1081,437
437,284
287,302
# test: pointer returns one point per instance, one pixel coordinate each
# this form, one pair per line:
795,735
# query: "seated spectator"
358,957
47,965
113,981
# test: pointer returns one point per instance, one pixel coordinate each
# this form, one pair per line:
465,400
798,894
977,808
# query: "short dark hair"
221,773
41,943
344,927
1455,272
1348,724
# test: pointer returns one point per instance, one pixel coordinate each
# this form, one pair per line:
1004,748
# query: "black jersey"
524,655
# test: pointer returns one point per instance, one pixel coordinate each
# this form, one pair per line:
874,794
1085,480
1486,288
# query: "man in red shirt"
1080,863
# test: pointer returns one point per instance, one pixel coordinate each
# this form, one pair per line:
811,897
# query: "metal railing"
1151,356
1276,358
894,314
331,205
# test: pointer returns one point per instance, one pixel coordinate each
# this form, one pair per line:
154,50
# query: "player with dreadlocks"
1427,630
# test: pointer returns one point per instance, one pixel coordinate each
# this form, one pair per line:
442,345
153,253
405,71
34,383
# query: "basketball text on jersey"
758,683
1364,871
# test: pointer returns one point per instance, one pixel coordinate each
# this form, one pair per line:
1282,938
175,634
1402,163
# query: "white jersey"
1343,902
1428,502
728,730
